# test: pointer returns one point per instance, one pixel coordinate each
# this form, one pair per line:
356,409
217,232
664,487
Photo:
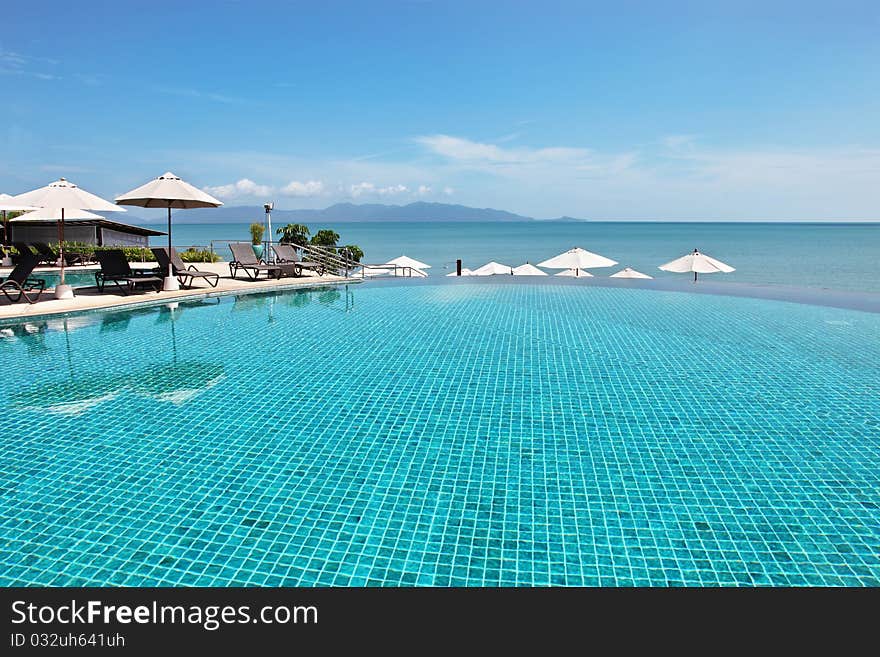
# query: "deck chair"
184,274
115,269
46,253
23,250
286,254
19,281
77,257
243,258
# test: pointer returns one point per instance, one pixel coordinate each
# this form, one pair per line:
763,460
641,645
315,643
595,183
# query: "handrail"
328,257
405,269
332,257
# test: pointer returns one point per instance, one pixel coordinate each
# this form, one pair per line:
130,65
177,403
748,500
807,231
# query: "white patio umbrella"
54,214
528,270
406,261
8,205
575,273
168,191
492,269
63,195
464,272
629,272
577,259
698,263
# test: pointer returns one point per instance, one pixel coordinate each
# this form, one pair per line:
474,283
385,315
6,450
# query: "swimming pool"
75,278
467,434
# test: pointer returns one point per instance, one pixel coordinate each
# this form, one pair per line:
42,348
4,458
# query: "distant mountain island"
342,212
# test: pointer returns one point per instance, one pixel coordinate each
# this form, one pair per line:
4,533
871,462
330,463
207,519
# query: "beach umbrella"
63,195
697,263
575,273
168,191
8,204
492,269
54,214
406,261
629,272
577,259
464,272
528,270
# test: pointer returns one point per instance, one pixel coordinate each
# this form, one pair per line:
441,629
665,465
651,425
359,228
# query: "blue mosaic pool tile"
444,435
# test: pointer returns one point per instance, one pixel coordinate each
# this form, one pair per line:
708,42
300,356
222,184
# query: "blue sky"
614,110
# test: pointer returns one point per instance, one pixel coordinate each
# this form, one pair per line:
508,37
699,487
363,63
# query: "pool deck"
90,299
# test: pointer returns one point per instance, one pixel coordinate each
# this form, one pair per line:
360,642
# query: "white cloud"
668,177
242,188
362,188
393,190
424,190
369,189
465,150
309,188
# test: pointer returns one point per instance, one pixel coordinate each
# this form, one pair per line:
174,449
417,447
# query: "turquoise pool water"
469,434
74,278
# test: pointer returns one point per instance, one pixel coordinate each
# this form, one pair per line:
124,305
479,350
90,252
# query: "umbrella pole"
61,244
695,277
171,282
170,267
62,290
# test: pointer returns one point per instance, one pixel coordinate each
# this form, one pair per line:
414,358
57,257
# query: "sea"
843,256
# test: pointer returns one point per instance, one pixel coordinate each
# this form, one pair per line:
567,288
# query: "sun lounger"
184,274
115,269
23,250
243,258
47,255
76,257
286,254
19,281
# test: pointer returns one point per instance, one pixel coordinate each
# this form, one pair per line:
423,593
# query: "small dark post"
458,267
695,277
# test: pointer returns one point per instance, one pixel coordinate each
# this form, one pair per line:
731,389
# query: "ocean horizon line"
813,222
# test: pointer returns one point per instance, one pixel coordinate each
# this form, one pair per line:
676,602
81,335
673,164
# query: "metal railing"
334,258
385,269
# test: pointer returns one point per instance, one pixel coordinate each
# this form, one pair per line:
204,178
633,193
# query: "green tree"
326,237
297,234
